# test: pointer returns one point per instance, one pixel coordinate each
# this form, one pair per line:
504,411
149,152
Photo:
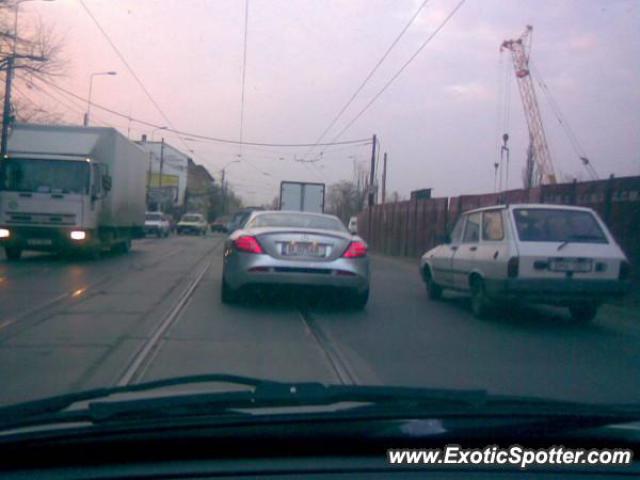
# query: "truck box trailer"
302,196
72,188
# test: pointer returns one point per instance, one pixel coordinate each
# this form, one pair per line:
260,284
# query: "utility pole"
161,162
223,190
384,178
6,110
372,176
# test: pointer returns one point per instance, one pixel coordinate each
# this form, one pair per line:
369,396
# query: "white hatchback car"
536,253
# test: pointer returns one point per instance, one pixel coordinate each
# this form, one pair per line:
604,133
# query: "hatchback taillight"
625,270
247,244
513,267
355,250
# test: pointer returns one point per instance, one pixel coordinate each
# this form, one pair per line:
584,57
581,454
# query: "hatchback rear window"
556,225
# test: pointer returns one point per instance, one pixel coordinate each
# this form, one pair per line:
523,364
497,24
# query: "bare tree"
37,52
345,199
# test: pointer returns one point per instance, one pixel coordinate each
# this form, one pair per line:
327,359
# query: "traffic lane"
88,342
405,339
265,338
39,278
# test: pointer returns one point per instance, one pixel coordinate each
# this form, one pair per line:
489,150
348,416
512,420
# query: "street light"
95,74
15,21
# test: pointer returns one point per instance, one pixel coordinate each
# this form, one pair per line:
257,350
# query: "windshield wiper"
263,393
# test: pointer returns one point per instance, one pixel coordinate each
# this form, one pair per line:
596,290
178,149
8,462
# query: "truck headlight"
78,235
5,233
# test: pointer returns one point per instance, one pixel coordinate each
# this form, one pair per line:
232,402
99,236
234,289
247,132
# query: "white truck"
67,188
302,196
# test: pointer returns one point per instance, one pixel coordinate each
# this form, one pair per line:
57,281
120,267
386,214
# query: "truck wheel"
13,253
434,291
583,313
480,303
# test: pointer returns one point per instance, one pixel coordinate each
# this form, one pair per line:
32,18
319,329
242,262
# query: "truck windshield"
45,176
556,225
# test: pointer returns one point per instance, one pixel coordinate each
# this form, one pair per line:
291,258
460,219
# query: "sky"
439,122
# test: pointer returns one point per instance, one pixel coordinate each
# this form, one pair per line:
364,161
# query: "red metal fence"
411,227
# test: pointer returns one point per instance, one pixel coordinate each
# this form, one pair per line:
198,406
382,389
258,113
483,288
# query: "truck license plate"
39,241
571,265
302,249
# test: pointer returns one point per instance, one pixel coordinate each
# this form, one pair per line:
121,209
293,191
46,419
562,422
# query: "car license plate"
302,249
39,241
571,265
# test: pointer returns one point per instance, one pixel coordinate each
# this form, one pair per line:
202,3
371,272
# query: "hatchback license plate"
571,265
296,249
39,241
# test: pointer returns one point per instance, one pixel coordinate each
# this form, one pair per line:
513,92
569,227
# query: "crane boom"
520,49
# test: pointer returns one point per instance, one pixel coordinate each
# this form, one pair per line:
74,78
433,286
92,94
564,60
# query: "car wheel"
583,313
13,253
480,303
359,300
434,291
228,295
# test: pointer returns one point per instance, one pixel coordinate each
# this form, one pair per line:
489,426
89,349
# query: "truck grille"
25,218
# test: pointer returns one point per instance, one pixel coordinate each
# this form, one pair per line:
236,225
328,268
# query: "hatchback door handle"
473,249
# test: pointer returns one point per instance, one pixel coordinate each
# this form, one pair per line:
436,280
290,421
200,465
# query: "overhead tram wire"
404,66
130,69
244,71
371,73
197,135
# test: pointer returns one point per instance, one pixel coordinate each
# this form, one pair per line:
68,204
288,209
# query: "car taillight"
513,267
247,244
355,250
625,270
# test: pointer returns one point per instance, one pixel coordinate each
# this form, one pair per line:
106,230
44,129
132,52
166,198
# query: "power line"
129,68
192,134
373,71
404,66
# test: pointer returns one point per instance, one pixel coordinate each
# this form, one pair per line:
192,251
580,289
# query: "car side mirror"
106,183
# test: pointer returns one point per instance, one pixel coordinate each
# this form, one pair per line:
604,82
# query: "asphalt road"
68,324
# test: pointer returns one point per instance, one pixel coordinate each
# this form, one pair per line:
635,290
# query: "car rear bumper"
242,269
557,291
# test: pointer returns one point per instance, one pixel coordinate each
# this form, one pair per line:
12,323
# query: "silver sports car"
296,248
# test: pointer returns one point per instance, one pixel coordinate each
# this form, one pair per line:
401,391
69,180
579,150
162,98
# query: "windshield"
553,225
439,194
44,176
295,220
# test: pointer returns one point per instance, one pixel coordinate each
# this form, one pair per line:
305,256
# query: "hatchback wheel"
480,303
434,291
583,313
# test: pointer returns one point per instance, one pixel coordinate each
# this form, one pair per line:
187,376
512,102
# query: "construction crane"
520,49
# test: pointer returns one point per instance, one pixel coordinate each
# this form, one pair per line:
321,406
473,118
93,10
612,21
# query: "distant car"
538,253
156,223
296,248
353,225
239,218
192,223
220,224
